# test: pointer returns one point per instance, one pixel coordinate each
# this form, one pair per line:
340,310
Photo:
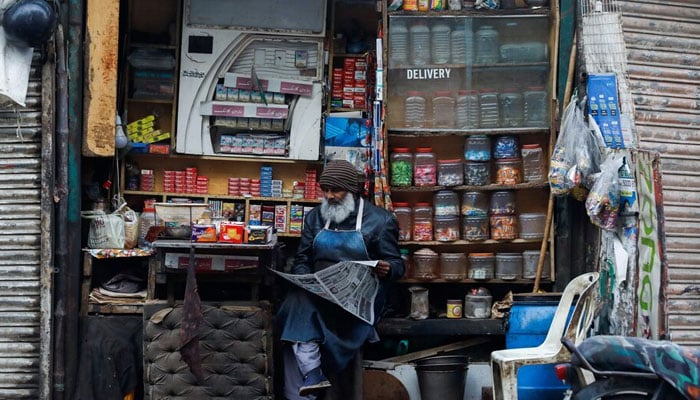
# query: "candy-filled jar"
422,222
446,228
401,167
506,146
446,202
404,216
450,172
424,167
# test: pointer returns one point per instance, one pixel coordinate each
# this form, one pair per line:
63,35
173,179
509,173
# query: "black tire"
618,389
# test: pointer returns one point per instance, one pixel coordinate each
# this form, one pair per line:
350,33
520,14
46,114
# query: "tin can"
454,308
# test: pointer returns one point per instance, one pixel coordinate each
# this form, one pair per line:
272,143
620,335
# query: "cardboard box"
245,110
259,234
231,232
210,262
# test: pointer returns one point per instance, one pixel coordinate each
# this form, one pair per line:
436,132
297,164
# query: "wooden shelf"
491,187
471,12
440,326
467,242
114,309
474,281
186,244
425,133
490,67
223,197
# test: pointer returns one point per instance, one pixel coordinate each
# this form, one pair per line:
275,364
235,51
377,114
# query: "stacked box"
266,181
255,187
337,87
296,218
311,189
255,214
281,218
268,215
276,187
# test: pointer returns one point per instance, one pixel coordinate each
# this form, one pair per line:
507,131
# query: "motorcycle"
630,368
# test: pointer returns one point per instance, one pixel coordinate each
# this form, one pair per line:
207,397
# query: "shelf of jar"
487,67
206,197
466,242
425,132
227,157
491,187
471,12
440,326
476,281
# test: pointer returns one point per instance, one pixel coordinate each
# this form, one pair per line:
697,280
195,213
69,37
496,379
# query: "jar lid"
443,93
452,255
531,146
536,88
456,160
481,255
508,160
401,150
400,204
424,149
487,90
414,93
422,204
510,90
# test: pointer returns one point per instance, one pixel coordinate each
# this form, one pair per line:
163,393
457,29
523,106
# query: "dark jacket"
380,231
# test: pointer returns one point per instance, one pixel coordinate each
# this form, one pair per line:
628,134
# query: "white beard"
338,212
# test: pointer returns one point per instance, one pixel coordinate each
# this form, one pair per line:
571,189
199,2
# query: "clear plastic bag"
106,230
603,201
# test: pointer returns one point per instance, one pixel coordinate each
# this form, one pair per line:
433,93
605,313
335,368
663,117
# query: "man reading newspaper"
318,334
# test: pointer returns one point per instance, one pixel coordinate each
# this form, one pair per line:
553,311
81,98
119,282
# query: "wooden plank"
101,57
440,326
434,351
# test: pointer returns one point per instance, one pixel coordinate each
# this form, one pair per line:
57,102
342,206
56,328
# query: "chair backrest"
582,286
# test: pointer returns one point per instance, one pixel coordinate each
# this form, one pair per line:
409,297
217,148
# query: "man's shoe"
314,381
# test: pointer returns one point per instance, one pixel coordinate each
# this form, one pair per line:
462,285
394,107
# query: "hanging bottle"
628,190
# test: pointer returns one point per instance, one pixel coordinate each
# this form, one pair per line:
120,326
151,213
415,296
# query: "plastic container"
404,216
533,163
422,222
477,148
424,167
440,43
407,262
511,102
531,225
426,264
446,203
419,34
459,45
450,172
489,109
401,167
477,303
508,171
147,219
454,308
481,265
446,228
441,380
443,109
415,109
503,227
530,260
467,109
487,45
502,202
528,324
535,106
475,228
506,146
509,266
453,266
398,43
475,204
477,173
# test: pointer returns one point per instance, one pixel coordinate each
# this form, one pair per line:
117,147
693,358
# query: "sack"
106,230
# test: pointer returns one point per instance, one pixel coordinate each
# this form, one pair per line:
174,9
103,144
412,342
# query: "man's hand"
383,268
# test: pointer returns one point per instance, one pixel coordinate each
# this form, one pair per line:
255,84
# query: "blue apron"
304,317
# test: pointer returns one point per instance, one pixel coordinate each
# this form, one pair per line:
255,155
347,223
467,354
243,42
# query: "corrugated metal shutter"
663,43
22,337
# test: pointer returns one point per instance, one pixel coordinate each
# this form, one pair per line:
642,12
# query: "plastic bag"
131,227
603,202
106,230
563,175
394,5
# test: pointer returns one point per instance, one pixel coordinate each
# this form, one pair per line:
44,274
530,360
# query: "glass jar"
503,227
477,304
445,202
506,146
443,109
446,228
453,266
450,172
424,167
415,109
502,202
533,163
530,260
508,171
509,266
477,173
475,228
426,264
511,102
440,43
467,109
419,35
487,45
398,43
489,114
422,222
477,148
401,167
481,265
404,216
535,106
475,204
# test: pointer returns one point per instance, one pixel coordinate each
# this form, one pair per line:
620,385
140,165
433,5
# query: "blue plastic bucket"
528,324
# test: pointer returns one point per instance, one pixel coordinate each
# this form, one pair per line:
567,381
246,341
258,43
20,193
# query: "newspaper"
349,284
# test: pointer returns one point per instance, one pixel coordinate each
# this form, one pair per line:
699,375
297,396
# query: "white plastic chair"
505,363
